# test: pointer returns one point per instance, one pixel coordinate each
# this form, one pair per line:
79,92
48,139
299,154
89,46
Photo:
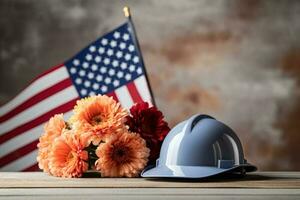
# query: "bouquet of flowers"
102,136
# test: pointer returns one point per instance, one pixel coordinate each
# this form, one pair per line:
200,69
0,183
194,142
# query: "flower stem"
91,149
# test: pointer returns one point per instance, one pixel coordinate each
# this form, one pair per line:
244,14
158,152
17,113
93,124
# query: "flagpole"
135,39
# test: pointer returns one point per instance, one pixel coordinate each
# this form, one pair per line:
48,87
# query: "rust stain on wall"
181,50
246,10
289,120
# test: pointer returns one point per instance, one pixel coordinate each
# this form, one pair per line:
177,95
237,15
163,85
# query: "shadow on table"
223,178
91,174
218,178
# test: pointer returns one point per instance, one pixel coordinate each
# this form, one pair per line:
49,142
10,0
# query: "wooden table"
260,185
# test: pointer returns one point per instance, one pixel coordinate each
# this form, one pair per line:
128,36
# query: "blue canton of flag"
111,65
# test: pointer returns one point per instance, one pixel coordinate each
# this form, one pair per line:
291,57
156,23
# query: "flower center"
67,126
96,120
120,155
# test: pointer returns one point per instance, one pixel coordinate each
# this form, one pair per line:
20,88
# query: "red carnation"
149,123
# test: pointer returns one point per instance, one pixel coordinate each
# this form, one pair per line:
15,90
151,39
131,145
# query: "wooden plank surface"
149,193
266,180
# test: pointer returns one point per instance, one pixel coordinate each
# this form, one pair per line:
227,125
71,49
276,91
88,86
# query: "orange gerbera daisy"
53,129
68,157
122,155
98,116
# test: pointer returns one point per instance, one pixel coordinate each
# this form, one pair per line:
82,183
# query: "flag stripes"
34,167
18,153
21,163
141,85
38,109
36,98
41,119
133,92
44,82
124,97
21,140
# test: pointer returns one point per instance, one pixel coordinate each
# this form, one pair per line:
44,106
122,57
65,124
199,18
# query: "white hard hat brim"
192,172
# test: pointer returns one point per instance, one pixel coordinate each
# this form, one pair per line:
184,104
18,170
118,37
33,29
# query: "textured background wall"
236,60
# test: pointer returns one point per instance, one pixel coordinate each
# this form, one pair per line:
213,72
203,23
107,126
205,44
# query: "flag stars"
120,74
125,37
107,80
115,63
122,45
92,49
116,35
127,56
113,43
101,50
116,83
85,65
76,62
73,70
81,73
88,57
128,77
104,88
104,41
103,69
83,92
87,83
111,72
90,75
95,86
98,59
99,78
139,70
131,68
92,93
123,65
131,48
110,52
107,64
119,54
94,67
136,59
106,61
78,80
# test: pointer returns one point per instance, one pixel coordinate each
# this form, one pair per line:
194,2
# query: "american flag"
111,65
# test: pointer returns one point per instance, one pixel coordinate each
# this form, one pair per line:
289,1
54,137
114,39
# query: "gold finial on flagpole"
126,11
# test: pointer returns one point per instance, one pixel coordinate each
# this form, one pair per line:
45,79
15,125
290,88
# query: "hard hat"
199,147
